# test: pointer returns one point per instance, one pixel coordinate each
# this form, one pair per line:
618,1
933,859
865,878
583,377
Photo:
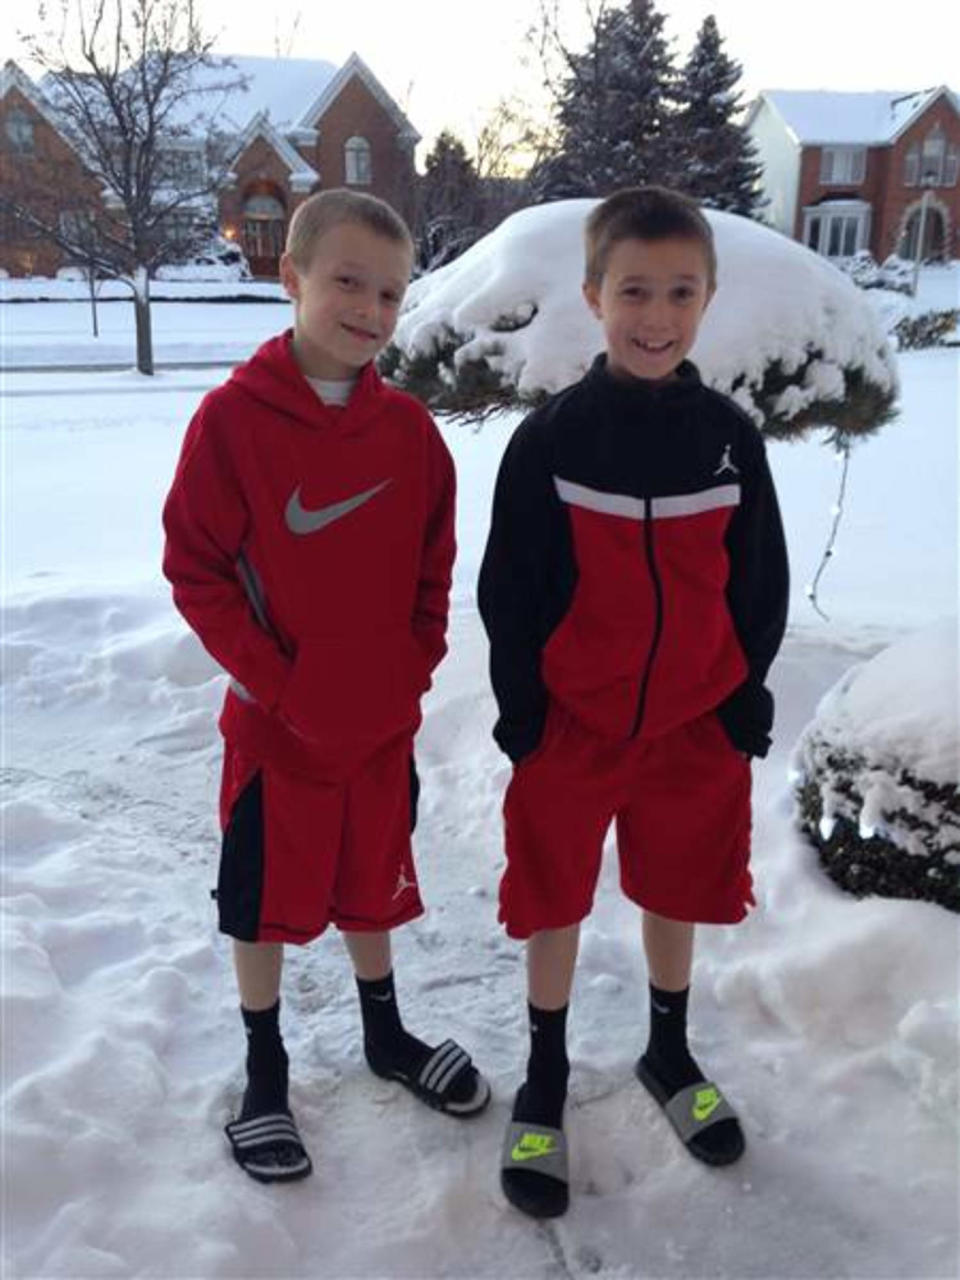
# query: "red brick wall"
355,111
48,181
883,185
898,197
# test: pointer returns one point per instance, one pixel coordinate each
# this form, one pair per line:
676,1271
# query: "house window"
933,157
953,165
19,131
357,160
911,165
842,165
837,229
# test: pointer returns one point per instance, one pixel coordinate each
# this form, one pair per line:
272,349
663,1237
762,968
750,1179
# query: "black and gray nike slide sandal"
694,1112
534,1171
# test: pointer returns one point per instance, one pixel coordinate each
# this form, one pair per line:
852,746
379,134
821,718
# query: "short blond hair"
645,213
327,209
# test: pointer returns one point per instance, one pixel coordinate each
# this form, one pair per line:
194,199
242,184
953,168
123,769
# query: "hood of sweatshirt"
273,377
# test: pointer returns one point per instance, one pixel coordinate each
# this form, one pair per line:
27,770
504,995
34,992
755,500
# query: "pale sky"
447,62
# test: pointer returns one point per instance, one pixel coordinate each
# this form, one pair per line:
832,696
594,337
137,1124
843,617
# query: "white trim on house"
302,175
355,66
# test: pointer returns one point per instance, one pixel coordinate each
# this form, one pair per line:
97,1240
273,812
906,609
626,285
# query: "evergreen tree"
449,217
610,106
714,159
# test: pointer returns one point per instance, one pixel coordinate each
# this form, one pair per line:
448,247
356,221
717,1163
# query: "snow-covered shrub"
793,341
877,773
222,259
929,329
897,273
862,269
72,273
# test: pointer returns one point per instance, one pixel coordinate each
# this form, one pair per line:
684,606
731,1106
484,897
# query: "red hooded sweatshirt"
310,547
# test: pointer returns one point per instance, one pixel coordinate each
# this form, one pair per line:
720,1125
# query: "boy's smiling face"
650,301
347,299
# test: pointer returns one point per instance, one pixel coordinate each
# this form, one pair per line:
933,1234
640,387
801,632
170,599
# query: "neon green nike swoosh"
705,1104
532,1145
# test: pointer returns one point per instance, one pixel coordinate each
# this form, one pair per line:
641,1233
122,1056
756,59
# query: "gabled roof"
11,77
823,117
355,66
302,175
279,87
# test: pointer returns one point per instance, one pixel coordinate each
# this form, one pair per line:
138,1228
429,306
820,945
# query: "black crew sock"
671,1061
667,1053
544,1092
385,1039
389,1048
267,1066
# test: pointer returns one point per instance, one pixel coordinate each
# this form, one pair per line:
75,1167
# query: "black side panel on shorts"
414,792
240,883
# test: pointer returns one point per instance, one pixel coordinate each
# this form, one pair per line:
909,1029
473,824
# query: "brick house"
297,126
851,171
31,148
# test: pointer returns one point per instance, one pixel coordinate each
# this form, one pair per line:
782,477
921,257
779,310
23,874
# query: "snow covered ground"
832,1023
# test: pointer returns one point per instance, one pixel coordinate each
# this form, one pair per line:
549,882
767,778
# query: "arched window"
19,130
934,154
357,162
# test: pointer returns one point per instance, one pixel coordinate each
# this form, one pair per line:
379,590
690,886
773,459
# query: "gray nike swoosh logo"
300,520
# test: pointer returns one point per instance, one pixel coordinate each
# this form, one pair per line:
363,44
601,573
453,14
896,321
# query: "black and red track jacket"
310,547
636,570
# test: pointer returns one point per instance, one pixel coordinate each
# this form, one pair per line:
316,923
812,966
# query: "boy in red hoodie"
309,541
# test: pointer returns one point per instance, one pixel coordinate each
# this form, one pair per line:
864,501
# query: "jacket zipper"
658,624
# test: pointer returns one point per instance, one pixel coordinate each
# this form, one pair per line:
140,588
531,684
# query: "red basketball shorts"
298,855
682,808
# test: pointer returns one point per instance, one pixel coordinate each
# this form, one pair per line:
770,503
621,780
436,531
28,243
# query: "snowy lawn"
832,1023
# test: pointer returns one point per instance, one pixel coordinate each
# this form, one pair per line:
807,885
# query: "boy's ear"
289,277
591,294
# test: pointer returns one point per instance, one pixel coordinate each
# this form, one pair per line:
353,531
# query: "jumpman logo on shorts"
403,884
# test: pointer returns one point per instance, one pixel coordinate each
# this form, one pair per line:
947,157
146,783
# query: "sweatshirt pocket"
356,690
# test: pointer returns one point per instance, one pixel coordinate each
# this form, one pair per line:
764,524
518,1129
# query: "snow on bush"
895,273
878,771
789,337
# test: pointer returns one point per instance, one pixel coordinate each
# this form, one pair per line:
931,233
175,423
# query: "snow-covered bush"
72,273
929,329
862,269
787,336
222,259
877,773
897,273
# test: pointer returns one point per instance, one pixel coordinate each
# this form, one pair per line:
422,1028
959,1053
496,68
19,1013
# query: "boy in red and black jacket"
634,590
310,545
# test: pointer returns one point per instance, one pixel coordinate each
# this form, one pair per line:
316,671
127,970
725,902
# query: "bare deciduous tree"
132,84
